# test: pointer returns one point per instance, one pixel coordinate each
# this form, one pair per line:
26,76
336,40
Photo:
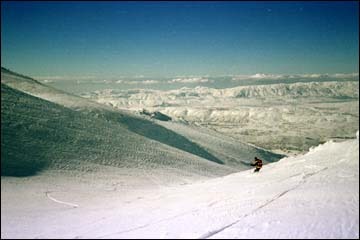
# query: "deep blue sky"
179,38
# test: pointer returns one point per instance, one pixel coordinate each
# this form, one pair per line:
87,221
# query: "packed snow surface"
315,195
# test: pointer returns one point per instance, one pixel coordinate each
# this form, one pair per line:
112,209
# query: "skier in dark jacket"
257,164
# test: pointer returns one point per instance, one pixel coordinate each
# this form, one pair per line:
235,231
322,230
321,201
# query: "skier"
257,164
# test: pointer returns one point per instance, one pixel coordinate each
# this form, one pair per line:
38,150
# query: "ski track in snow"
47,193
214,232
151,223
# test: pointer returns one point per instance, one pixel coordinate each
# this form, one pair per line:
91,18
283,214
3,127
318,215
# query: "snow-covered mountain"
281,117
49,129
153,98
73,168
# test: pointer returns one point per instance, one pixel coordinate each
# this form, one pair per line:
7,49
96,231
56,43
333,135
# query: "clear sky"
179,38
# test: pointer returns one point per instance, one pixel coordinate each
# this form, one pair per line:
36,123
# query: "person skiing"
257,164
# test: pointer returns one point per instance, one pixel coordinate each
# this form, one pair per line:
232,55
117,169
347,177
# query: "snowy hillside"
86,136
315,195
281,117
38,135
38,89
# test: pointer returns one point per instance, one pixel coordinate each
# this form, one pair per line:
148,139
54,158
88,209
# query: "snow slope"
38,89
50,129
228,149
46,128
38,135
315,195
